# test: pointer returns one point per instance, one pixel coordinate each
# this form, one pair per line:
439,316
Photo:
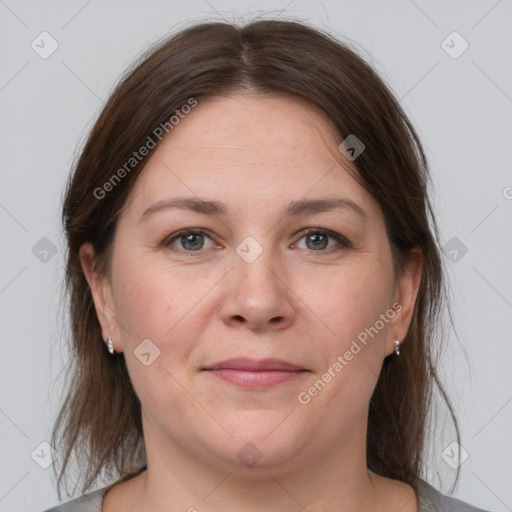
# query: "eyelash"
342,241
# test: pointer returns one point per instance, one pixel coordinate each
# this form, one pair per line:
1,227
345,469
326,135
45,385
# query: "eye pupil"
319,240
193,240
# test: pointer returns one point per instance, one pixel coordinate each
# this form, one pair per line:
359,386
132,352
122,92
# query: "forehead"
245,119
249,148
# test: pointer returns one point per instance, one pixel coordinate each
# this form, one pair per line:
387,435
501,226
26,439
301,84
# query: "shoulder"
431,500
90,502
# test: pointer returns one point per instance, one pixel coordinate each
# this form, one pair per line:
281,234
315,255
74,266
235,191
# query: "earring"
397,347
110,345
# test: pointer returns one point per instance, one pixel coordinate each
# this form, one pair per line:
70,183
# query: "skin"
297,301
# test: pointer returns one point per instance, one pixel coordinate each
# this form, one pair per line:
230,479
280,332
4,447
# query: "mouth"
255,374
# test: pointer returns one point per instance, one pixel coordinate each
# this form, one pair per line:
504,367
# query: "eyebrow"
294,208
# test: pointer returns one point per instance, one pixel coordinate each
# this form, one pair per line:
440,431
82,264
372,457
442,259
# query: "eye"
190,240
317,240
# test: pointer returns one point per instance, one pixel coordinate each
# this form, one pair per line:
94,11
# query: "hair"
99,421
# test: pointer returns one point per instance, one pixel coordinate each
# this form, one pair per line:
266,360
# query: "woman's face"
261,275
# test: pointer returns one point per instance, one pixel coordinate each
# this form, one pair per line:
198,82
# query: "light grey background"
461,107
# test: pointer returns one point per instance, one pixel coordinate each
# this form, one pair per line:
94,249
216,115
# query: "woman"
250,236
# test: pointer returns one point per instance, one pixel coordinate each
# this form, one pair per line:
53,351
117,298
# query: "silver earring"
110,345
397,347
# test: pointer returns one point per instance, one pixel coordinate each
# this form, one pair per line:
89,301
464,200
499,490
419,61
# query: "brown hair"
100,418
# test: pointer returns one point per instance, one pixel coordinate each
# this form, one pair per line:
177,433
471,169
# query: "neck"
233,492
332,480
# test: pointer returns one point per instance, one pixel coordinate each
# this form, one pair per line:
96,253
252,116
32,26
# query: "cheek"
350,300
152,299
350,303
144,305
151,305
155,302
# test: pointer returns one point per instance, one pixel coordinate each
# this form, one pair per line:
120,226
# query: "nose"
257,295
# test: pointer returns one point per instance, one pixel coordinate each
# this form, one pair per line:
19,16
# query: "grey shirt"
429,500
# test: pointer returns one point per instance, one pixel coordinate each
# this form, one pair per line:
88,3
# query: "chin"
260,439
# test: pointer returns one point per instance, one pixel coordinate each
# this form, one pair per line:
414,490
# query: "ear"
101,290
404,298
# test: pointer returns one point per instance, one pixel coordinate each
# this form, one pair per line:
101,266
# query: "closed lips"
255,365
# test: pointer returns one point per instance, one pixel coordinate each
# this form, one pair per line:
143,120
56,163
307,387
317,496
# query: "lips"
255,373
254,365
